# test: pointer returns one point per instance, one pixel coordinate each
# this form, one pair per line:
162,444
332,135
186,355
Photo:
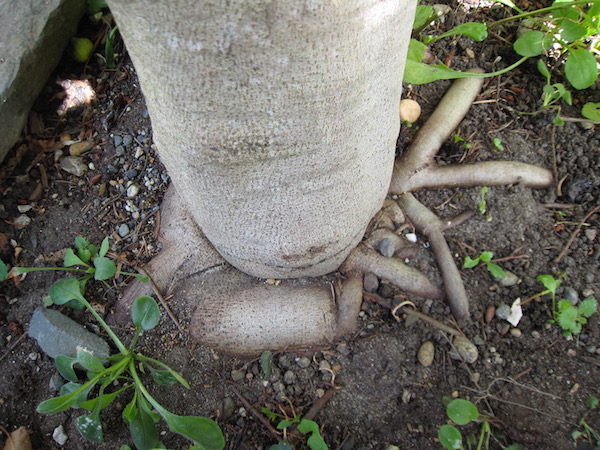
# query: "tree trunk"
276,120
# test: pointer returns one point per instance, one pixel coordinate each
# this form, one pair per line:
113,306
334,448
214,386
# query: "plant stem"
21,270
541,11
122,349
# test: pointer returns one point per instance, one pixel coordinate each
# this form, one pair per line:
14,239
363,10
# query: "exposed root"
363,259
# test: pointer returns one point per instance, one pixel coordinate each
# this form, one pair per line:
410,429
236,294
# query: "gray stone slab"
58,334
33,36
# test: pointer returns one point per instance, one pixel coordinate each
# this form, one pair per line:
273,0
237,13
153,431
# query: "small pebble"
412,237
536,334
510,279
237,375
289,377
320,392
387,248
426,354
516,332
503,311
589,277
127,140
370,282
588,293
591,234
590,348
571,352
139,152
228,407
465,349
73,165
475,377
133,190
489,313
79,148
503,328
303,362
118,141
59,435
131,174
123,230
23,220
24,208
120,150
571,295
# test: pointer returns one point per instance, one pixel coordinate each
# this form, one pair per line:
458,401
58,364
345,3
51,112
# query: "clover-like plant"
107,377
486,257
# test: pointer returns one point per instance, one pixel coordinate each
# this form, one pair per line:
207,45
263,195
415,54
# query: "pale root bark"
277,121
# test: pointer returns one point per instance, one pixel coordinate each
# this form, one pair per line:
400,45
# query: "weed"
585,431
308,427
482,206
486,257
117,373
569,317
463,412
498,144
567,31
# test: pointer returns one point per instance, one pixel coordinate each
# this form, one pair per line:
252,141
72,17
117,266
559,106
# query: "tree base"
236,313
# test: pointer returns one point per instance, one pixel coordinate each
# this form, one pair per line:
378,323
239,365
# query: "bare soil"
368,391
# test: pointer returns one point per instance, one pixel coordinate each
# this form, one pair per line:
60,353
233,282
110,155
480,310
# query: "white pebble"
59,435
412,237
133,190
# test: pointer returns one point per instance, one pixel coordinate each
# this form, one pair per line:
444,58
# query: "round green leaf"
530,44
591,111
450,437
82,49
64,290
145,313
581,69
461,411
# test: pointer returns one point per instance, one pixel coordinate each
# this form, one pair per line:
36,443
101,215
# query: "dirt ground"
368,391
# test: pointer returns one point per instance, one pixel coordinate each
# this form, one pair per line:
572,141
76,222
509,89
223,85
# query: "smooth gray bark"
277,121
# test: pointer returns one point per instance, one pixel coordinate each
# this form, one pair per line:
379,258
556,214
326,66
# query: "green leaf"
130,410
549,282
423,15
315,441
416,50
543,69
65,364
89,361
591,111
591,402
56,404
105,268
570,31
82,49
162,376
450,437
581,69
95,6
470,263
496,271
143,429
587,307
89,426
3,271
104,400
65,290
71,259
266,361
498,145
461,411
486,256
567,315
104,247
145,313
530,44
270,414
81,242
109,48
202,430
474,30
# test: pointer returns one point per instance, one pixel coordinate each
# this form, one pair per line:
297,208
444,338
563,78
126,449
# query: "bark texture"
277,121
